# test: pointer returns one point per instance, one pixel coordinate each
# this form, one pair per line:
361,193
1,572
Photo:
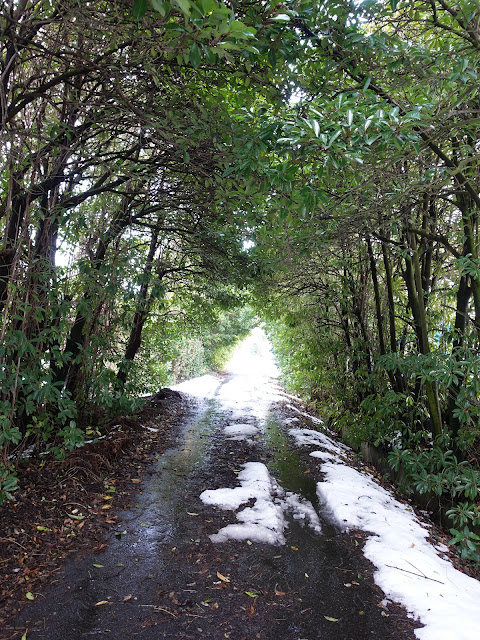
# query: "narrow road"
225,540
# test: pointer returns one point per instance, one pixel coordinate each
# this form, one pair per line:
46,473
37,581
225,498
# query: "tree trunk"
417,304
141,314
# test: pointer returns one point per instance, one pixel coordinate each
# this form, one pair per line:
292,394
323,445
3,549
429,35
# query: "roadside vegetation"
164,164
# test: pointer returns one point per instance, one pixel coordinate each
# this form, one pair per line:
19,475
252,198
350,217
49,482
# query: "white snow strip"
306,415
265,520
317,439
240,431
324,455
409,569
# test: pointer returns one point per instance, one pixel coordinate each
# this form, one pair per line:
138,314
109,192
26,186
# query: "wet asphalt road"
160,575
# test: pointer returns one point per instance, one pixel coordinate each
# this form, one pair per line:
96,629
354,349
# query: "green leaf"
99,566
29,595
184,6
195,55
159,7
334,137
331,619
207,6
251,594
139,8
281,17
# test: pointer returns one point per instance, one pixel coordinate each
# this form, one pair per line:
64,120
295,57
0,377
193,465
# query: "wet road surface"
161,576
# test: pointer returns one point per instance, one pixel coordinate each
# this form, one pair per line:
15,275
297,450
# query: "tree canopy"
165,162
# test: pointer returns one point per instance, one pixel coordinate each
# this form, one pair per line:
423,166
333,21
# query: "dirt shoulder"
69,506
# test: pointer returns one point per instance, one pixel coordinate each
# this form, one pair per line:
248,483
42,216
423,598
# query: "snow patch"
314,419
323,455
240,431
265,520
317,439
409,569
301,510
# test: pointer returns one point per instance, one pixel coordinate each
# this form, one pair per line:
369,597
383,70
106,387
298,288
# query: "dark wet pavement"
161,576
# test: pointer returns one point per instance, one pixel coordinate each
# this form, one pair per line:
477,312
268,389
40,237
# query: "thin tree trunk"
461,316
417,305
376,291
141,314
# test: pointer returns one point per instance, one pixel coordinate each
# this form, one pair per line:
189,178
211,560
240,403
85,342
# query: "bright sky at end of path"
254,357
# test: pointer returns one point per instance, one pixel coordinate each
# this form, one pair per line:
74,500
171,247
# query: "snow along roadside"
409,569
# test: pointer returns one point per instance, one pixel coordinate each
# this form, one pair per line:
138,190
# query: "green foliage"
468,543
438,471
8,482
391,417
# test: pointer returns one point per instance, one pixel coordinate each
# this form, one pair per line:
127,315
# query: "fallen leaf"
331,619
29,595
127,598
40,528
192,514
279,593
252,595
98,566
223,578
106,506
24,637
80,516
99,604
294,548
136,480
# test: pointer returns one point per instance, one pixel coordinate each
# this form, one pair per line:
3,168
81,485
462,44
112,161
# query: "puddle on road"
288,469
154,520
287,466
